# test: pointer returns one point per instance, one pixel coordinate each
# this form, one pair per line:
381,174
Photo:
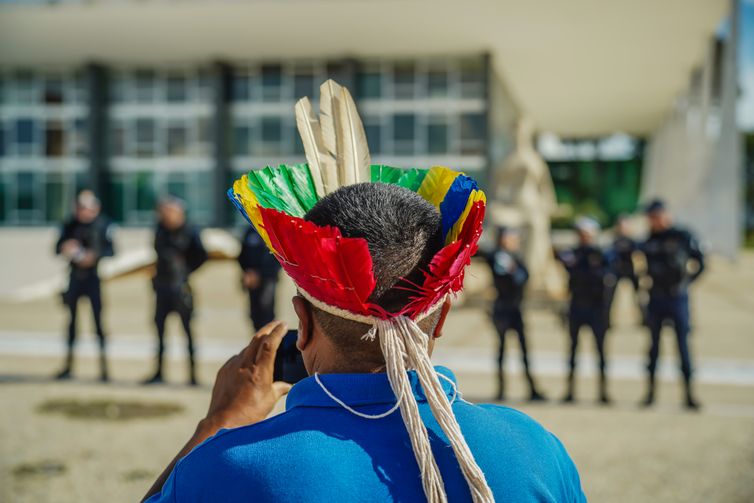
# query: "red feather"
336,270
446,270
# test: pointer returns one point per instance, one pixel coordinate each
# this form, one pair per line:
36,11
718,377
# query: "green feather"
274,189
303,185
409,178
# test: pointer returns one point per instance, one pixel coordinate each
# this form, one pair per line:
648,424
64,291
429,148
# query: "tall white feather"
328,104
311,136
353,154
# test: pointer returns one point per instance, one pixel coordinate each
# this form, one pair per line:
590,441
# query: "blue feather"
452,206
237,204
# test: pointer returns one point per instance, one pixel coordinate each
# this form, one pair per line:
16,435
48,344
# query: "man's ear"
305,321
444,310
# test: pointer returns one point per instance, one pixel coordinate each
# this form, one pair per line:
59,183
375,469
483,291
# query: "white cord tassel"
402,342
416,346
393,349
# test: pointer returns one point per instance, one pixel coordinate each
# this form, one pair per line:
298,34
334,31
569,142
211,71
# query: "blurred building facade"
138,99
135,133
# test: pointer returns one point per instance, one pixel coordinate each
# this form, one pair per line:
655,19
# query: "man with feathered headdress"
376,253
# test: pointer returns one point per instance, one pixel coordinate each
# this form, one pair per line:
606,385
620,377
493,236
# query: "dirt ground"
85,441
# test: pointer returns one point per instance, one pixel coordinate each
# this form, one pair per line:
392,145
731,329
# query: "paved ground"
48,452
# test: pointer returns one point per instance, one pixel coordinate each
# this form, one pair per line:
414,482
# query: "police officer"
674,261
510,276
84,240
622,258
590,273
259,277
179,253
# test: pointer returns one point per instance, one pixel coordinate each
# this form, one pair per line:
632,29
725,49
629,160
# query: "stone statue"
523,196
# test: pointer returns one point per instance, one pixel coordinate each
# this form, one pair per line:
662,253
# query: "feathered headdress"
334,272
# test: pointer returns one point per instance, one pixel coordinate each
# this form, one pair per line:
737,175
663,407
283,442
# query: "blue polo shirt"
317,451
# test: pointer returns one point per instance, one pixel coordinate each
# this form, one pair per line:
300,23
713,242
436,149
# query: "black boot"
65,373
569,396
192,372
157,376
103,374
604,398
534,395
691,403
500,396
649,399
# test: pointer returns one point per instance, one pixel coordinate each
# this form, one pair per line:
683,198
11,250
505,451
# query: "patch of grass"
44,468
108,410
138,474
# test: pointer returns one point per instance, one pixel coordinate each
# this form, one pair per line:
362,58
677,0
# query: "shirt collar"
358,389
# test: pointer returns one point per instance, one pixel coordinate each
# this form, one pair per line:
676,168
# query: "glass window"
24,88
472,78
145,138
437,138
177,139
473,130
145,196
370,85
53,91
56,202
144,83
4,198
25,190
204,127
271,137
241,88
272,82
118,139
437,83
403,80
25,131
176,186
271,129
298,145
54,145
374,137
303,85
77,140
24,136
403,133
116,195
242,135
177,88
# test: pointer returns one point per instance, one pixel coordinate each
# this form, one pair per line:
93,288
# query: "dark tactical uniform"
256,257
510,276
84,281
623,265
590,273
668,254
179,253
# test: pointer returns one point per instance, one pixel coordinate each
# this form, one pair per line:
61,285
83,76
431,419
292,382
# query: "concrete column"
97,82
221,79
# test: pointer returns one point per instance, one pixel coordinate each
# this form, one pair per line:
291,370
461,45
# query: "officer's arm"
64,236
520,274
108,249
197,252
695,253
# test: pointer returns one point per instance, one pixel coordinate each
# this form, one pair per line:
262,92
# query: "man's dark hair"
403,232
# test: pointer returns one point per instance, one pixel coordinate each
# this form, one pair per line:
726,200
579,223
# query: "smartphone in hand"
289,364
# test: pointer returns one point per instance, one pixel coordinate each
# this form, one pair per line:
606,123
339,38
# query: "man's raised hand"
244,391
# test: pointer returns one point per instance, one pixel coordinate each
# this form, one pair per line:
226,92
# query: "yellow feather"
475,196
436,184
251,206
